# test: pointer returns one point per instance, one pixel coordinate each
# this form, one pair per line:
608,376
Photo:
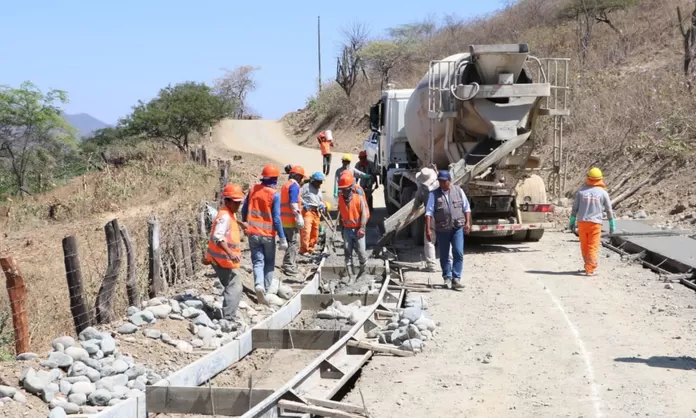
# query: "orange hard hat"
297,169
234,192
270,171
346,180
362,154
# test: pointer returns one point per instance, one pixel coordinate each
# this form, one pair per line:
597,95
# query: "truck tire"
535,235
534,188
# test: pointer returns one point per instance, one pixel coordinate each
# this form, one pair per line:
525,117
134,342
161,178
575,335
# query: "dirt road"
528,336
267,138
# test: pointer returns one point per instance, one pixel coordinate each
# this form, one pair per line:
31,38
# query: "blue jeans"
455,239
352,242
263,251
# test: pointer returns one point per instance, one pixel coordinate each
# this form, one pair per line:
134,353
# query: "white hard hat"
427,177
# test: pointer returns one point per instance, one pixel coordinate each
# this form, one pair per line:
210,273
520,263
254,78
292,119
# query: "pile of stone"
80,375
352,313
204,313
410,329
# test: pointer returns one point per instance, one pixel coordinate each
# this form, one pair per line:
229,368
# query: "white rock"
160,311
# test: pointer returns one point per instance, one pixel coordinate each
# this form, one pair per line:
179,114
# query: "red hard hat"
346,180
270,171
234,192
362,154
297,169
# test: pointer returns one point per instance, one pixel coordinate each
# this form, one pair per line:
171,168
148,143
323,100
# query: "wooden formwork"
310,391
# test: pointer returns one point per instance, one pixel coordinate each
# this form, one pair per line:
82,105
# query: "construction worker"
589,204
291,217
345,165
261,211
325,144
449,214
369,184
354,214
225,253
427,182
312,203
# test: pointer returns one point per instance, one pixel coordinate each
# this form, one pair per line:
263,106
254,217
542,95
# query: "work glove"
612,226
571,224
299,221
283,244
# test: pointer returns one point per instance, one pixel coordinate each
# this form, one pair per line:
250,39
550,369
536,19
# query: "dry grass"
164,184
630,106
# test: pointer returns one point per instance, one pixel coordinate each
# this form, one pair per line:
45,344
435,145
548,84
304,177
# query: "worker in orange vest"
225,253
291,217
354,214
261,211
325,144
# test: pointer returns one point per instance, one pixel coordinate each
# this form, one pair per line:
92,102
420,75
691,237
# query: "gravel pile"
410,329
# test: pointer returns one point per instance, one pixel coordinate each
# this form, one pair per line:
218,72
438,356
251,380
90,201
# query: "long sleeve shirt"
590,203
221,227
356,173
430,206
275,214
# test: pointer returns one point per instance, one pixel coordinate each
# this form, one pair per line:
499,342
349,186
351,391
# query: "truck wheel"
535,235
534,188
407,194
518,236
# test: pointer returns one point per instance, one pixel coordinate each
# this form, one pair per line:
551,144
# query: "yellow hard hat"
328,205
346,157
594,173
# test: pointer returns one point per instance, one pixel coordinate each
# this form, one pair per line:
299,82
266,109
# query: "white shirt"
221,228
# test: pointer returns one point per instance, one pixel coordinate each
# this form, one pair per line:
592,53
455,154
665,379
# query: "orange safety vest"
260,216
232,240
287,215
350,213
325,146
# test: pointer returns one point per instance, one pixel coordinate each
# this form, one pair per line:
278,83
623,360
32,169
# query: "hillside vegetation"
632,109
53,186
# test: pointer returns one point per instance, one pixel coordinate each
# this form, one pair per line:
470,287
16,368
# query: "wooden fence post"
156,285
104,305
185,243
178,255
204,157
17,291
192,243
131,278
82,317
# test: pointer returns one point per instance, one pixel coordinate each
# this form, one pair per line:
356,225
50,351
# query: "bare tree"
383,56
235,86
688,31
348,64
589,12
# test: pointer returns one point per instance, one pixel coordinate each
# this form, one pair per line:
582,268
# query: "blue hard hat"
444,175
318,176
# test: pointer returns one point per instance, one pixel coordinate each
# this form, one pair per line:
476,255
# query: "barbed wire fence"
142,259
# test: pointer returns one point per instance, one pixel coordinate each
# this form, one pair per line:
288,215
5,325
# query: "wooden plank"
341,406
381,348
320,302
299,339
316,410
202,400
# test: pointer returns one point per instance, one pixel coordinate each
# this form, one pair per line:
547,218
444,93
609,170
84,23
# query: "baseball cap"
444,175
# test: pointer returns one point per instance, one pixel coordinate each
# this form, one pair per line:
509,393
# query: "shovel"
332,244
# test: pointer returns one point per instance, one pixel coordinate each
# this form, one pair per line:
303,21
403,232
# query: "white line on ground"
587,359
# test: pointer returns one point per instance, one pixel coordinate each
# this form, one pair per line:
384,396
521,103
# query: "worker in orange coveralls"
590,203
325,144
312,204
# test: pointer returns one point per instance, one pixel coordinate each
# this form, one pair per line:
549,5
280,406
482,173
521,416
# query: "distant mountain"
85,124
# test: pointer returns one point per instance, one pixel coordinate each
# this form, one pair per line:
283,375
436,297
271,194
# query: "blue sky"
109,54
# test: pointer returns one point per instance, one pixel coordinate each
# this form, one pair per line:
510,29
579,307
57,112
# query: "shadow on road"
556,273
666,362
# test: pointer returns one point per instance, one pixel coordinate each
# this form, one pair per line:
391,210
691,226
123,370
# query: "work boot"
349,273
448,283
361,270
260,294
290,271
457,284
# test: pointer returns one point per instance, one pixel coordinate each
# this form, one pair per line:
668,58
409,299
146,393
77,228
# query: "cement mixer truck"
475,114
